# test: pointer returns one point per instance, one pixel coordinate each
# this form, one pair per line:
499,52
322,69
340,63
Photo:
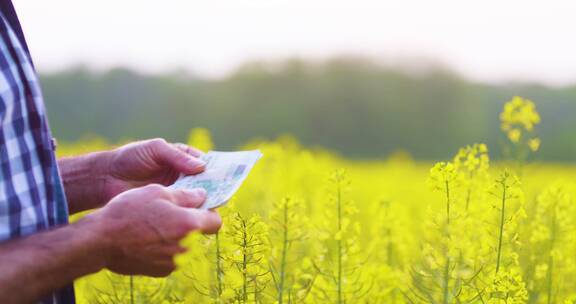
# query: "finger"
177,159
161,268
193,198
166,251
206,221
150,191
188,149
177,222
181,221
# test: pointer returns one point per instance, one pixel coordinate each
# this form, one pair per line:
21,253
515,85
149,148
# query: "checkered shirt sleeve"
31,194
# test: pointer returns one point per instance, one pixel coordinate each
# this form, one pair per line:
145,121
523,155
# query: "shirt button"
54,143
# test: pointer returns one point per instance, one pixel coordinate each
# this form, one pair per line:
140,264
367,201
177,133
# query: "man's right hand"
141,228
138,232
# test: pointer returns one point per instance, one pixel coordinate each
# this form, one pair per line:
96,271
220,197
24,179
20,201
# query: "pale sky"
488,40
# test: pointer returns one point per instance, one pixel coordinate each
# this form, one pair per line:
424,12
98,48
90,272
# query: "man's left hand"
152,161
94,179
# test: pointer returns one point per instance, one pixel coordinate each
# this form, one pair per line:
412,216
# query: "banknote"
225,172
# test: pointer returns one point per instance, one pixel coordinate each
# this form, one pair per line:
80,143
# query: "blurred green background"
354,105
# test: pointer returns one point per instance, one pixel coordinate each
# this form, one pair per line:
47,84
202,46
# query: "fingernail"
201,192
196,162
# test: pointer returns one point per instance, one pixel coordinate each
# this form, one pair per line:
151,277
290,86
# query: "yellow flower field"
311,227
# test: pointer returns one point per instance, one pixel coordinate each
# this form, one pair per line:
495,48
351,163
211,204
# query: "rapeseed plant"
444,273
509,206
506,287
289,267
388,254
340,263
483,239
473,162
205,268
126,289
552,228
250,248
444,178
504,281
518,121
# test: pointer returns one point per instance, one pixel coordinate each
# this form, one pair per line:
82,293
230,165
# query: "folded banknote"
225,172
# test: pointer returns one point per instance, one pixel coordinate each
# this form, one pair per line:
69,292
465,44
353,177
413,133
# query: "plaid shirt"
31,194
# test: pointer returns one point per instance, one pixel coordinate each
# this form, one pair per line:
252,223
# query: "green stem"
244,263
468,197
550,272
550,257
447,266
284,253
501,234
389,248
256,292
446,281
219,270
469,191
339,205
447,202
131,289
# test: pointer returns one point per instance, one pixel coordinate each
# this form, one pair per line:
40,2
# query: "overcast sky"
488,40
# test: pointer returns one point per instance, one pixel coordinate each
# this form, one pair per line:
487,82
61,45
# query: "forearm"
49,260
84,180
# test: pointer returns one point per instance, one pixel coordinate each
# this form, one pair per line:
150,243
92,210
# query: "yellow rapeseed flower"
201,139
519,113
514,135
442,176
534,144
519,116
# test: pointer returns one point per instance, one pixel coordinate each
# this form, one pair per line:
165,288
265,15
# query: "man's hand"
136,233
143,228
93,179
147,162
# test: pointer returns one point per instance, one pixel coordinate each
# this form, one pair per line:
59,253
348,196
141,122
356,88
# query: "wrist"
84,179
100,238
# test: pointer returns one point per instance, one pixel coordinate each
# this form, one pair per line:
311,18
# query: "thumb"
189,198
177,159
207,221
